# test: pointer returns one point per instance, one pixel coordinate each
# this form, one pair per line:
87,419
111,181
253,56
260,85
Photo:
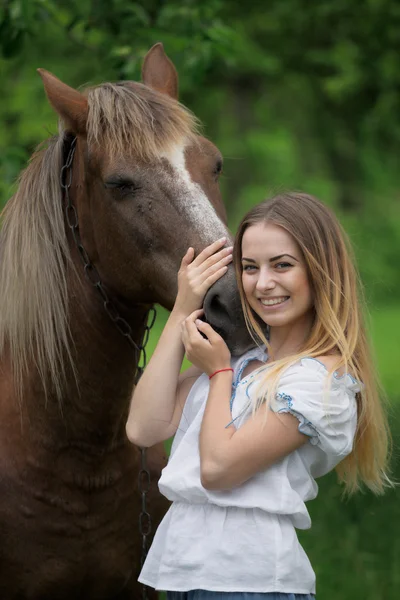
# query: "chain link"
93,277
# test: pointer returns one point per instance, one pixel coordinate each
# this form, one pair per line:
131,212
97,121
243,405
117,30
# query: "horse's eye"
218,168
123,186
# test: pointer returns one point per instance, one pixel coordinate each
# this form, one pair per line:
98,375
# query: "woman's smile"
274,302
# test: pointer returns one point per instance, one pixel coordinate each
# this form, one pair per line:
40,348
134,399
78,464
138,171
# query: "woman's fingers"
208,331
209,251
211,279
209,258
197,275
192,325
196,314
190,334
189,325
188,258
201,280
215,262
223,257
204,347
210,271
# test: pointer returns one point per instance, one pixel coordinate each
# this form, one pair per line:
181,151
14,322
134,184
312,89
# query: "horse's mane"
33,287
122,118
130,117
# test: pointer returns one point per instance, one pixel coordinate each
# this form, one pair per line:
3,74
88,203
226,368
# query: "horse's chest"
69,536
71,488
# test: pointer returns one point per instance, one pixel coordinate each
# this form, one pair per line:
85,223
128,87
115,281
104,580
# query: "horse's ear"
159,72
71,105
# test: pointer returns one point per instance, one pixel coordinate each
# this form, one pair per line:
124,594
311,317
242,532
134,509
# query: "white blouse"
244,539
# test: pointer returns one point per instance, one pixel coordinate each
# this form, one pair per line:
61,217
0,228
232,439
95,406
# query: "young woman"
253,433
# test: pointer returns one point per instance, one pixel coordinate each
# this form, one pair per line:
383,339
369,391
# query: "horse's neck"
104,359
96,394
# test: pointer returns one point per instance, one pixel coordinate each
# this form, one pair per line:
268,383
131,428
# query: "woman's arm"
155,410
160,395
230,456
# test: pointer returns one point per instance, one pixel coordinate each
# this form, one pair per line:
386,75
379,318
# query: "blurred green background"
298,94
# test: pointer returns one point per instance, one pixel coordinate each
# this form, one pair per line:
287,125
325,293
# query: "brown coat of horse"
145,188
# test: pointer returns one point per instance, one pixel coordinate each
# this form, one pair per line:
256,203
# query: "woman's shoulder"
318,369
324,364
330,361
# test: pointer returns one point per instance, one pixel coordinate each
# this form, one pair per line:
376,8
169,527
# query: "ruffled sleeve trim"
325,407
305,426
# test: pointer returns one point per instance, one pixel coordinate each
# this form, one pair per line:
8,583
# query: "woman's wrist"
178,314
222,370
182,311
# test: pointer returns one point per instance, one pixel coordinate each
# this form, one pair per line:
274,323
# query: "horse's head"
145,186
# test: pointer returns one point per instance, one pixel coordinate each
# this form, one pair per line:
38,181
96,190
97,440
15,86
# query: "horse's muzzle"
223,311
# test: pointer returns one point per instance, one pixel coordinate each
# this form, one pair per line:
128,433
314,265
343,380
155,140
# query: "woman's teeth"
274,301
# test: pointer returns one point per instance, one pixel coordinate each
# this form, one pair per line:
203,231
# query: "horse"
90,241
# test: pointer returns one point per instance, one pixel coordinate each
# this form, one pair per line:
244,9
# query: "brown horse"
139,186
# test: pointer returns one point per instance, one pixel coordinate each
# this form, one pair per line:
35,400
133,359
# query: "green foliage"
120,32
385,327
83,41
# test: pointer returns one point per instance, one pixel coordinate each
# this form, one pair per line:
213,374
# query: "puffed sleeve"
326,411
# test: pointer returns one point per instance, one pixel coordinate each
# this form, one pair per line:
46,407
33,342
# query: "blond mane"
33,287
132,118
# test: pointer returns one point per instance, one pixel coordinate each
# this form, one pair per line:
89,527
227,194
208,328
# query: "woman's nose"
265,281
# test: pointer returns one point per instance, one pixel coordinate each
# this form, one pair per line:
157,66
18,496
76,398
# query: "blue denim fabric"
207,595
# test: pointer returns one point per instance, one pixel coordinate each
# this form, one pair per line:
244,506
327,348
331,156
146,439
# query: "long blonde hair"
338,325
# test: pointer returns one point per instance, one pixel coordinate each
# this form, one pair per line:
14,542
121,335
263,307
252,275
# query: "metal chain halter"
124,328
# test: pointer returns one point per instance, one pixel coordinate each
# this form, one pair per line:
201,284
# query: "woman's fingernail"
198,322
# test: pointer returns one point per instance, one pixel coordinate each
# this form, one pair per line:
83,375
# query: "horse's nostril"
215,307
216,313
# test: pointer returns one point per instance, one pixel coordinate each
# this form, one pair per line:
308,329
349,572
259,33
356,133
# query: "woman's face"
274,276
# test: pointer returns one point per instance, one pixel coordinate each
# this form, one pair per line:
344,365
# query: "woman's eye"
283,265
249,268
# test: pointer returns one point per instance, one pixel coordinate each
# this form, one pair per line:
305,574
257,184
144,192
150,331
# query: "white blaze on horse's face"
192,202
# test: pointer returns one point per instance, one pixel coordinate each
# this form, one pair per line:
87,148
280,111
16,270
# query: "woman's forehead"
268,239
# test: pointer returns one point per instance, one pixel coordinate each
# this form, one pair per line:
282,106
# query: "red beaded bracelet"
219,371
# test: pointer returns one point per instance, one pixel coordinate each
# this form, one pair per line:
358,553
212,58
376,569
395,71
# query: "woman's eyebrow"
281,256
251,260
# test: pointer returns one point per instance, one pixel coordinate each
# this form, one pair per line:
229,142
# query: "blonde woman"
253,433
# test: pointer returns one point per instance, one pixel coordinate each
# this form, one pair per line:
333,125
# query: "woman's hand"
197,275
209,353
